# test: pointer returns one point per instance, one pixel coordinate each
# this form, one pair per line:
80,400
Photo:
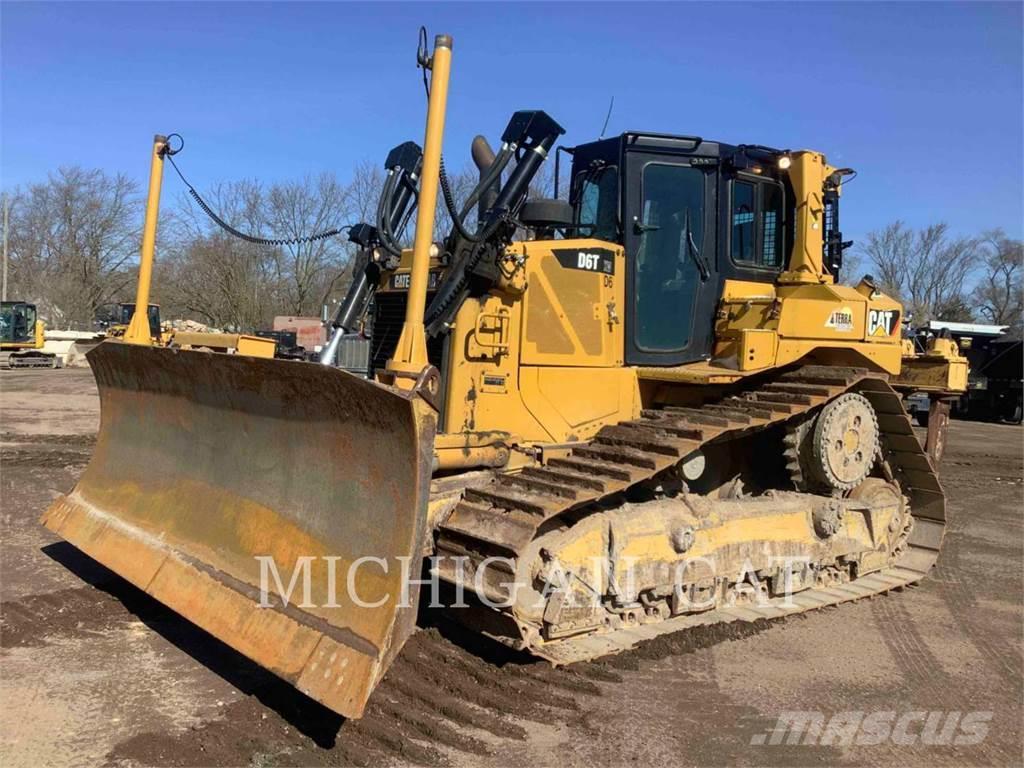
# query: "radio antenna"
607,118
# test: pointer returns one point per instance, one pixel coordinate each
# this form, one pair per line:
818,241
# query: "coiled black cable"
242,235
458,217
453,209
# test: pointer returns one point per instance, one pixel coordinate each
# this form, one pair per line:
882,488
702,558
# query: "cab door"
670,247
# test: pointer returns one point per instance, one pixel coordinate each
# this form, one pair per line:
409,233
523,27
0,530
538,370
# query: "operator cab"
127,311
690,214
17,322
119,316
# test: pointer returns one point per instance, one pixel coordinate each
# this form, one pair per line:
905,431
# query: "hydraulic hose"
459,217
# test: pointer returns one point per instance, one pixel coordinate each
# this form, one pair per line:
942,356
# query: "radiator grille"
387,317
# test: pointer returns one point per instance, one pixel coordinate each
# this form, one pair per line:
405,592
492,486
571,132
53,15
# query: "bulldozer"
118,320
584,423
115,319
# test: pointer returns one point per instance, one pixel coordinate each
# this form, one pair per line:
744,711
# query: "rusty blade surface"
206,463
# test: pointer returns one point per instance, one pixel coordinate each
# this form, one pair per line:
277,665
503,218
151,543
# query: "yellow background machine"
22,336
659,409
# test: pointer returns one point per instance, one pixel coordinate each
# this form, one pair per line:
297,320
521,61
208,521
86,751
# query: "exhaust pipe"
483,158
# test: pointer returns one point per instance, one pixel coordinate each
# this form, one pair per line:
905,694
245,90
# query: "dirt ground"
93,672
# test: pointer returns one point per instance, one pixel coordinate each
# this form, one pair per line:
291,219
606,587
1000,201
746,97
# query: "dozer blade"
214,473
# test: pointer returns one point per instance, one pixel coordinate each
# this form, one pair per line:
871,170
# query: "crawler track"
504,517
21,360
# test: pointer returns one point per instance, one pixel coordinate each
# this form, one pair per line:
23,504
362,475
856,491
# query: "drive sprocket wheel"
835,450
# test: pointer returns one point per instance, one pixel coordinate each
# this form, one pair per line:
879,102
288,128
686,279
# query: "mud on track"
98,673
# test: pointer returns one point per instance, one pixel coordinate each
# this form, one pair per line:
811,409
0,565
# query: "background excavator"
22,337
622,426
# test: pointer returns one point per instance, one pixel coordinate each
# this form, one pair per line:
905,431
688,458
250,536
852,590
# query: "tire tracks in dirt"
75,612
921,669
924,677
925,684
959,596
448,691
678,677
437,697
45,451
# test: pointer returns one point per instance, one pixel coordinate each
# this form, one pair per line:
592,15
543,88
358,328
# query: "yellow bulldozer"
584,422
118,320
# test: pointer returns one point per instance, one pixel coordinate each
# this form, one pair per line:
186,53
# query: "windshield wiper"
691,248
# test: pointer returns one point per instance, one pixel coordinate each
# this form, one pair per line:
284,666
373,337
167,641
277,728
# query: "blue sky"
924,100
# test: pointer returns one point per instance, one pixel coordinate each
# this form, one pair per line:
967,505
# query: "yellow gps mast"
410,356
138,330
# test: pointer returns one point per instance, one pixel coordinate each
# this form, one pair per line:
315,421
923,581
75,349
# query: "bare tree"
308,270
362,195
220,280
225,280
853,267
74,243
364,191
999,294
207,274
926,269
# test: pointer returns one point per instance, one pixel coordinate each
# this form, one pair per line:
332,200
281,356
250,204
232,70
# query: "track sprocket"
835,449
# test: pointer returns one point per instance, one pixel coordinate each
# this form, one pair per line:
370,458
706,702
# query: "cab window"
744,197
671,232
771,225
17,322
756,232
597,204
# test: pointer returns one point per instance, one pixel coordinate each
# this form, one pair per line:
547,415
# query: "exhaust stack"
483,158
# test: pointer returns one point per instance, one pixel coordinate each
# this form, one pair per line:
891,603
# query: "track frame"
504,517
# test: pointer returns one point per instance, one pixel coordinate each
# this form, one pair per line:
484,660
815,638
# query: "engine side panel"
541,356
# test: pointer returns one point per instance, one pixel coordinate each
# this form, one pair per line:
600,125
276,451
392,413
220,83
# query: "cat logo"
840,320
400,282
883,322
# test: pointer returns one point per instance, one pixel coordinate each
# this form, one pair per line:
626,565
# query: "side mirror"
640,228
